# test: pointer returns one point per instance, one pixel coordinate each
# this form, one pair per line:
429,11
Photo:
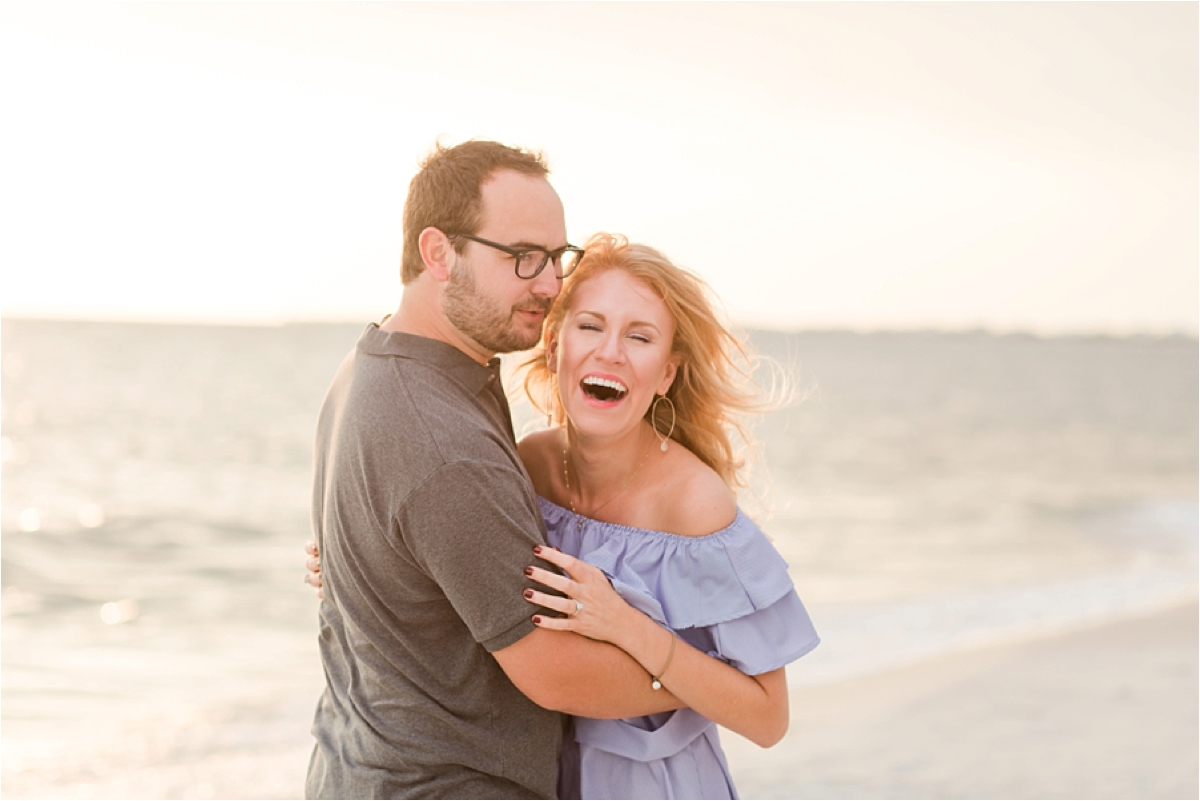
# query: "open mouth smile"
605,390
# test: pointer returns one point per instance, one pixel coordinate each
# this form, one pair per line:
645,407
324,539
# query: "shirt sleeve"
472,526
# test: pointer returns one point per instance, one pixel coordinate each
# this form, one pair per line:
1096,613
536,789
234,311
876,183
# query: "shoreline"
1103,711
868,639
1106,711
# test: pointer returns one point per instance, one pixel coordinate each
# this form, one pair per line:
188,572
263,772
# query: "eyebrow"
527,245
600,316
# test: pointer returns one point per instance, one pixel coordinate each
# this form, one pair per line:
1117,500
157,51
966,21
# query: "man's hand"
313,576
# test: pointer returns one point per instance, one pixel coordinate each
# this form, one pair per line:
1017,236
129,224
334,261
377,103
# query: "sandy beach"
1103,712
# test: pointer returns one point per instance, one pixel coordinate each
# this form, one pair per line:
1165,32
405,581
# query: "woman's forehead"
615,288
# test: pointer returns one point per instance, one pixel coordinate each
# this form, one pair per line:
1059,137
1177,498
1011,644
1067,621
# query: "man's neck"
420,314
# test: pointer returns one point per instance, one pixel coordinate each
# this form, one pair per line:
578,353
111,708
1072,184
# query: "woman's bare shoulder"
541,453
698,501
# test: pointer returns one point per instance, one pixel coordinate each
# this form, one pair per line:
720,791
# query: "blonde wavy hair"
714,386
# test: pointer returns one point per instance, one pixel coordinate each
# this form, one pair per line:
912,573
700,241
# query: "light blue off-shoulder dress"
729,595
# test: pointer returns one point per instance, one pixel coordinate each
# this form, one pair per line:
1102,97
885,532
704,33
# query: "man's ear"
437,252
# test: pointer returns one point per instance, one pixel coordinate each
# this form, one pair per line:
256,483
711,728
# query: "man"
437,682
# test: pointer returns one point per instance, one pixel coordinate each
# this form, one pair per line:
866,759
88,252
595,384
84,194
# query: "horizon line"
1045,332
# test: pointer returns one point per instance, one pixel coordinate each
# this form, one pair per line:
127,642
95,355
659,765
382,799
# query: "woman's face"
612,353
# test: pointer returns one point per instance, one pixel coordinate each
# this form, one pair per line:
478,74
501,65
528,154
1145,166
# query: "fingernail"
537,620
528,593
537,549
529,571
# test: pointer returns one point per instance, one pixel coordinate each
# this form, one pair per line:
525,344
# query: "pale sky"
1006,165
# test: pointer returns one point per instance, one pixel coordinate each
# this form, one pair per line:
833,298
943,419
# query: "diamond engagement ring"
578,607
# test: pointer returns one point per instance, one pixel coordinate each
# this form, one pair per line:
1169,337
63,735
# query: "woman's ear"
552,351
671,370
437,252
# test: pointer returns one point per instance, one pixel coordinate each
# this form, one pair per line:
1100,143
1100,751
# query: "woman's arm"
755,707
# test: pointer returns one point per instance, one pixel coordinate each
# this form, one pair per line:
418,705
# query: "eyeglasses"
530,263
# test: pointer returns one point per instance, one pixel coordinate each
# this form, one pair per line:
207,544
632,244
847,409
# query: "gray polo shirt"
426,520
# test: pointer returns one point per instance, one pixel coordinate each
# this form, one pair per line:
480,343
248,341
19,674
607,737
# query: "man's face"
485,300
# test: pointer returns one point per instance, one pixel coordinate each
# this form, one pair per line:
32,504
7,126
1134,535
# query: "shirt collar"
460,367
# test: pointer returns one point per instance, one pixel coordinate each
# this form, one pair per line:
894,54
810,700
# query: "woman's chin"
604,422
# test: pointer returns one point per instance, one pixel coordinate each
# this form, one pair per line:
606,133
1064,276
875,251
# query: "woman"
637,480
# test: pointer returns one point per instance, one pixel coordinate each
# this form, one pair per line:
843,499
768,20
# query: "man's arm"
472,534
568,673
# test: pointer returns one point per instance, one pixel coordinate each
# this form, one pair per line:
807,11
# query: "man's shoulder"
408,410
394,386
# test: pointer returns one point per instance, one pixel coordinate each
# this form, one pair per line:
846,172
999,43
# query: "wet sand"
1103,712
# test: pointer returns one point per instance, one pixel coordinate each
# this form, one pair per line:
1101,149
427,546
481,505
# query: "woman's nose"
611,349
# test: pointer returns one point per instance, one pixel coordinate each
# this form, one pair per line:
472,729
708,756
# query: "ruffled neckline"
678,580
561,511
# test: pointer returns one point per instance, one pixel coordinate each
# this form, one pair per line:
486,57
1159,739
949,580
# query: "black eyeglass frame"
550,255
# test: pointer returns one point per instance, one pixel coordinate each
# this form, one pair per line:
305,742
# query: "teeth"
596,381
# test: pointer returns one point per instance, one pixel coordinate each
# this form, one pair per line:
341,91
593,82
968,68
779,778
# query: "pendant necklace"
571,501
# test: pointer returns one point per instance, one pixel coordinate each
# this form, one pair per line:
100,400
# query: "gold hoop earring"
654,421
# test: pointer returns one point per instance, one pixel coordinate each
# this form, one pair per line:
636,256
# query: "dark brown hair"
446,192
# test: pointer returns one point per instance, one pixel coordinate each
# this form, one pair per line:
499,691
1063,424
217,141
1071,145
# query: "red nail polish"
537,620
537,549
529,571
528,593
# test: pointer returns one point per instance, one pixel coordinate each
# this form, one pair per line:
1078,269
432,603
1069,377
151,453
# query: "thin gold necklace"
592,514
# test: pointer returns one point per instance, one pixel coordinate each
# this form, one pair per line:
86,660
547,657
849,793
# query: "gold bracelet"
656,681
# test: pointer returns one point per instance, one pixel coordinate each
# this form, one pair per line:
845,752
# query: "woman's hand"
592,607
313,576
755,707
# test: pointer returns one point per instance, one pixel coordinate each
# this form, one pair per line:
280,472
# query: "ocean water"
930,491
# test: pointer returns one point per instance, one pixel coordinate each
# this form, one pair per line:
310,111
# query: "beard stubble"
479,317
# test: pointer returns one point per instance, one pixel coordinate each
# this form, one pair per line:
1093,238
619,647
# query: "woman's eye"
640,338
588,327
